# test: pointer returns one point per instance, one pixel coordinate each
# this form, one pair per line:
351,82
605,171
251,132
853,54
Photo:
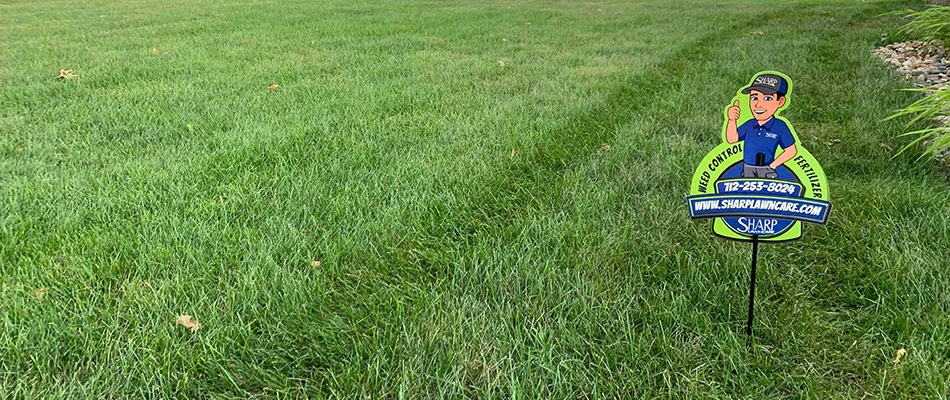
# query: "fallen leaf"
900,353
886,147
19,149
39,293
154,50
758,33
504,40
66,74
188,322
315,263
605,147
512,155
835,140
527,22
501,63
273,86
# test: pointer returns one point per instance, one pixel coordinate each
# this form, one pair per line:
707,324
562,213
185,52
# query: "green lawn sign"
760,184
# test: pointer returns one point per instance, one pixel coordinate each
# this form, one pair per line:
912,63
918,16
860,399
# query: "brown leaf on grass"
273,86
900,353
315,263
886,147
605,148
39,293
188,322
512,155
758,33
66,74
501,63
154,50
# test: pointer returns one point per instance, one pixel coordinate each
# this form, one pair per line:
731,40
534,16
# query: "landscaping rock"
926,65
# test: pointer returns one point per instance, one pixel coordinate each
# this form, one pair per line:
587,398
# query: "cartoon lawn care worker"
764,132
760,183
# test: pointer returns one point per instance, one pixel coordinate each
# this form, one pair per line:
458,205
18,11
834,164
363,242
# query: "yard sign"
760,184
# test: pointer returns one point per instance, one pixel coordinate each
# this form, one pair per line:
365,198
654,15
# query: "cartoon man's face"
764,105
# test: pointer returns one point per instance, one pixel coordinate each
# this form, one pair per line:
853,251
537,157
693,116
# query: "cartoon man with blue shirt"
765,132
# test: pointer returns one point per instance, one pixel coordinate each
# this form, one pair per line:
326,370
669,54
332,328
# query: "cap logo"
767,80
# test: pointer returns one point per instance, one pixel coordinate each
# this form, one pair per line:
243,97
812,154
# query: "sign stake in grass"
755,257
760,184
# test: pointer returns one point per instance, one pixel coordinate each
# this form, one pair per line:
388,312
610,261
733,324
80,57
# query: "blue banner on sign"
754,205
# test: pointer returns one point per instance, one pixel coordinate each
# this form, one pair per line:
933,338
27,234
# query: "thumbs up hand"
734,111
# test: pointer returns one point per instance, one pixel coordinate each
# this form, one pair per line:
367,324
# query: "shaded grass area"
175,182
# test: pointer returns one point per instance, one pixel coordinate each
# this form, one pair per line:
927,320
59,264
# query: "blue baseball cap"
768,84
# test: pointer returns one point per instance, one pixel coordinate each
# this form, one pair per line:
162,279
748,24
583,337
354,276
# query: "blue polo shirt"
764,139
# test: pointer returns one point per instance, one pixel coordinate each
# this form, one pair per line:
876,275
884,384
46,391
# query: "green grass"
175,182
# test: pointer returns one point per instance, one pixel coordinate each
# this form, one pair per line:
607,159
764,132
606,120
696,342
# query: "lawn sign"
760,184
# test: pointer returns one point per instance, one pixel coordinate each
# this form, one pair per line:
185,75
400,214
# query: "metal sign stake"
755,257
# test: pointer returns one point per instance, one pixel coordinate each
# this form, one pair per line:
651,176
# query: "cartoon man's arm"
787,142
788,153
732,133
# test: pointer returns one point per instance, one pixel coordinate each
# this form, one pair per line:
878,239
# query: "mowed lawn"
422,207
